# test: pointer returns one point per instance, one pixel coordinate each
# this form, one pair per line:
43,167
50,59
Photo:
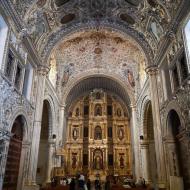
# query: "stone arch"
45,151
148,132
97,73
19,147
173,105
55,38
52,114
147,145
26,130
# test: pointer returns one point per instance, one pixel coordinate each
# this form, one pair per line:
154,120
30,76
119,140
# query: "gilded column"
135,138
161,170
41,77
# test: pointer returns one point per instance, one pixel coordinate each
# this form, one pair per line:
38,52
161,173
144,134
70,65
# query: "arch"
125,91
172,105
26,130
148,130
44,157
15,155
52,114
129,33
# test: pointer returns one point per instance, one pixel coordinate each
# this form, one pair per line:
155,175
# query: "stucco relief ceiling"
46,20
98,51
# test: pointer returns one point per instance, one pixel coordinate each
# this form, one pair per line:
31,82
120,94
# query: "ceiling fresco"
100,50
47,21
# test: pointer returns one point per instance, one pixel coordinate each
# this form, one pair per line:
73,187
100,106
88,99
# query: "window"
28,81
183,66
18,76
3,37
10,64
186,33
175,77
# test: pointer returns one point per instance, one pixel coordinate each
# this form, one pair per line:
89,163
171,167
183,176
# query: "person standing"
89,184
72,184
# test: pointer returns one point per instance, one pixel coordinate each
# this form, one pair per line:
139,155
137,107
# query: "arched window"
98,110
3,37
98,133
186,34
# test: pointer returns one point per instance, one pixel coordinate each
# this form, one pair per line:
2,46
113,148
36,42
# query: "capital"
43,70
151,70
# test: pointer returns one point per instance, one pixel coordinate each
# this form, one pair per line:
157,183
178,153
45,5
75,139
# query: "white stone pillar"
51,145
145,160
31,182
135,138
62,124
161,170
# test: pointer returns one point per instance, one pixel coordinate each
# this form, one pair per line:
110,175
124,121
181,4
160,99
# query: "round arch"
123,90
173,105
129,33
26,130
52,114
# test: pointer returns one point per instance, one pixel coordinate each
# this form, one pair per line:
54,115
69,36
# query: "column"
51,150
41,76
161,170
145,160
135,140
4,147
62,124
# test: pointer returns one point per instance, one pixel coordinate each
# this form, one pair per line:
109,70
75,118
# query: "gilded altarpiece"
98,137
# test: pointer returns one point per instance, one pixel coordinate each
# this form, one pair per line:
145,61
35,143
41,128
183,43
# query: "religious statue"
98,164
74,161
121,160
130,78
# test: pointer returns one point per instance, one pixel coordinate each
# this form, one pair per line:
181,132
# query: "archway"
148,146
14,154
44,161
174,150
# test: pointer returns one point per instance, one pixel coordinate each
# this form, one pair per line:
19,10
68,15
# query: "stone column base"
176,183
31,187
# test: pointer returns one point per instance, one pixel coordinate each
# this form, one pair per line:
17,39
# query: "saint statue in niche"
130,78
98,163
98,110
121,161
75,133
74,161
119,112
120,133
77,112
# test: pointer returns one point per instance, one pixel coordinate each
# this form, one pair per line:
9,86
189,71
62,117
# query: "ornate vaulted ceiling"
48,21
107,37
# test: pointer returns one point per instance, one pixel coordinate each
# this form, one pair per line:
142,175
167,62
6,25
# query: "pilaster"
161,170
31,181
135,138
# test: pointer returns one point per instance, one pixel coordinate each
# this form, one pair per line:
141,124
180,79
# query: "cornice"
12,14
183,10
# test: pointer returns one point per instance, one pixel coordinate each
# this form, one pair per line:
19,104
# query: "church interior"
99,88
